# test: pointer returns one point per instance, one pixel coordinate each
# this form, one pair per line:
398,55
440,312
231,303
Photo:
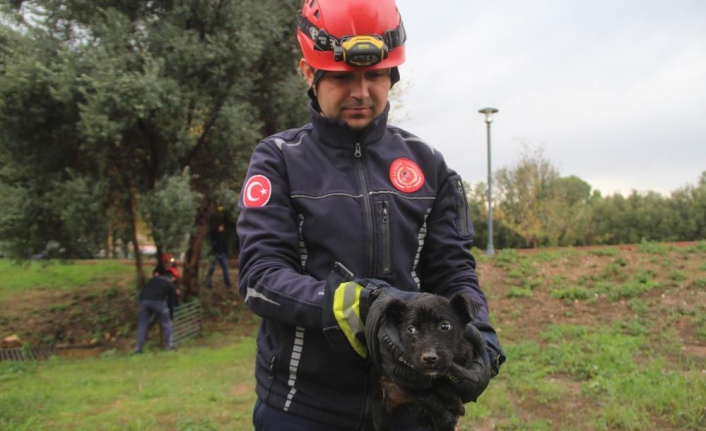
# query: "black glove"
470,380
345,308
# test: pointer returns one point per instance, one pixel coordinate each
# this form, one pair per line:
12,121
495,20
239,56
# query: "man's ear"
307,71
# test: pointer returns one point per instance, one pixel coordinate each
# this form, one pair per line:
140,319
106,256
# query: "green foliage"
637,285
536,207
517,292
638,306
81,205
574,293
506,258
523,194
633,327
651,247
677,275
170,210
103,104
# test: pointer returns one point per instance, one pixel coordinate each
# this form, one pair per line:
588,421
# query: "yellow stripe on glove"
346,310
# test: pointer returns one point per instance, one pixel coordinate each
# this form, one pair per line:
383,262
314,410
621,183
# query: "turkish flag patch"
258,190
406,175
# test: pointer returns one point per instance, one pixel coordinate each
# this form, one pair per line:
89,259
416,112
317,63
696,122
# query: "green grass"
629,371
54,276
194,388
618,375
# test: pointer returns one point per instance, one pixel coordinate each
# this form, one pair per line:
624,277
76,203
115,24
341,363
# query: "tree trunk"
135,242
192,258
109,244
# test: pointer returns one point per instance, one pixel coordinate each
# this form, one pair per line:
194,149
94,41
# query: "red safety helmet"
347,35
174,271
167,258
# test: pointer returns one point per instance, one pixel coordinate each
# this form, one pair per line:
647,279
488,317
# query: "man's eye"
411,329
340,76
445,326
376,74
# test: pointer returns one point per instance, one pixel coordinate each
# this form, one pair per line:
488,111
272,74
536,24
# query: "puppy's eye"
445,326
411,329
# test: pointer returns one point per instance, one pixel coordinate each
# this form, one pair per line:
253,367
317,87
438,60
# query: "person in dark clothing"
167,261
339,213
158,297
219,256
166,264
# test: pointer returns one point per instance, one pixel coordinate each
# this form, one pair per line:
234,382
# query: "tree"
146,99
523,193
689,205
42,175
568,211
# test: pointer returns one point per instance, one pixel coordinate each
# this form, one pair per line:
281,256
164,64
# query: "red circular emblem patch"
257,191
406,176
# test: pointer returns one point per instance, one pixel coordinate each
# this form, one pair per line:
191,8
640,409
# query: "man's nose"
361,86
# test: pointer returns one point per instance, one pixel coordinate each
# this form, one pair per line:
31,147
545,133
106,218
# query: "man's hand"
470,381
345,309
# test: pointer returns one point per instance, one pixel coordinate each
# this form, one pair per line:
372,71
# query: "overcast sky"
613,90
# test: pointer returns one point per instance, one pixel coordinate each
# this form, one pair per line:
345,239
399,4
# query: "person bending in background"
158,297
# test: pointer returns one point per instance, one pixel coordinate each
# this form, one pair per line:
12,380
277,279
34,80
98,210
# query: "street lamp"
489,119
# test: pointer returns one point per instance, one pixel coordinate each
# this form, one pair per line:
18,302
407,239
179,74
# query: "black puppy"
430,329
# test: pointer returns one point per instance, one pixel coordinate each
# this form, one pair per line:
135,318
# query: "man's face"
354,97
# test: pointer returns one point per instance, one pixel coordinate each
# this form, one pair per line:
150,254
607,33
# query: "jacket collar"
336,133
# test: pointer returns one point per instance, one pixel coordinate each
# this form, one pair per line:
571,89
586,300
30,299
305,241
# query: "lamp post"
489,119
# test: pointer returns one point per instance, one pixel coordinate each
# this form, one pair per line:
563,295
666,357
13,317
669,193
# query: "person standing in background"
219,256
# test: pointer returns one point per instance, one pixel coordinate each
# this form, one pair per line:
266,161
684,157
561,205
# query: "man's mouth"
357,109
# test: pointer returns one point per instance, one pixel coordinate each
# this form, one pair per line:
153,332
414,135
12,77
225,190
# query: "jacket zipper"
386,264
368,210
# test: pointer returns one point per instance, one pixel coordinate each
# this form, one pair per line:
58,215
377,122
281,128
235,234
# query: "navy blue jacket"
160,289
219,242
386,206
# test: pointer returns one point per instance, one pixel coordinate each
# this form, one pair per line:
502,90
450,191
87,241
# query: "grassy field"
610,338
199,388
19,279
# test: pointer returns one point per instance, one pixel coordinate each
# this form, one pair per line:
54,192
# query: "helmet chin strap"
394,76
312,89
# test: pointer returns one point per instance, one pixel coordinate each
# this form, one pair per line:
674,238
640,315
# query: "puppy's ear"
466,308
395,310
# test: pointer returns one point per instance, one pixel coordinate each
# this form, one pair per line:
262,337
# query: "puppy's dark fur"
431,331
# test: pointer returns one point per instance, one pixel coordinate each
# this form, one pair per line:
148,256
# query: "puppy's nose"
430,358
